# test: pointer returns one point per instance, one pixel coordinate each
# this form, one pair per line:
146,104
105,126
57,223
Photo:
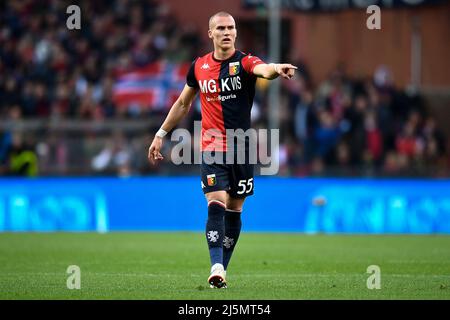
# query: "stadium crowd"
341,126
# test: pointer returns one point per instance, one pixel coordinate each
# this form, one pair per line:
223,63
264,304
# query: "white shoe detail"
217,277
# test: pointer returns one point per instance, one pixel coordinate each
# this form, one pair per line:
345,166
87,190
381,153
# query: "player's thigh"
241,181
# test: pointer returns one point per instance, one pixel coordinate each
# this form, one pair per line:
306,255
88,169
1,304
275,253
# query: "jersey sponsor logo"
221,98
211,179
203,185
233,68
223,85
205,66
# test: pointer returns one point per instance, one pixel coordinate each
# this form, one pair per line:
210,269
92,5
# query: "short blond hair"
218,14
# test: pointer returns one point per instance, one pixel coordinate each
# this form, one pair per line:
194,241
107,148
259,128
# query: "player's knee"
234,204
217,198
217,202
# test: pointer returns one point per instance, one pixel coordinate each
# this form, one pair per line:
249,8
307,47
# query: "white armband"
161,133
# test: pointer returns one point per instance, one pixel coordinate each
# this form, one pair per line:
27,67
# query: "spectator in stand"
435,142
374,140
326,136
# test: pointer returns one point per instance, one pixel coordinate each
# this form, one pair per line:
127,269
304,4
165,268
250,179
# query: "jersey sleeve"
249,62
191,80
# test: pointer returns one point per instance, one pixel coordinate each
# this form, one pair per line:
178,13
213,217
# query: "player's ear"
210,34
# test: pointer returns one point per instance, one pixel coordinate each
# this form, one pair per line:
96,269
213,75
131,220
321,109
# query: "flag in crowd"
153,86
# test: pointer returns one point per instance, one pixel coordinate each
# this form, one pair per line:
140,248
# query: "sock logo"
228,242
213,236
211,178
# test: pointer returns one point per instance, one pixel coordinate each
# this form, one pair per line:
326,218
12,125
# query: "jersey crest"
233,68
211,178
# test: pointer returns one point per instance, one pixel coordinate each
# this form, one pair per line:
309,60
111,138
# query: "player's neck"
220,54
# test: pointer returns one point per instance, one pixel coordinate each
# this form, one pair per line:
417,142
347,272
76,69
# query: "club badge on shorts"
211,179
233,68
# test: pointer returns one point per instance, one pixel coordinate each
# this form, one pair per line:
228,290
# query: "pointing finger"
288,66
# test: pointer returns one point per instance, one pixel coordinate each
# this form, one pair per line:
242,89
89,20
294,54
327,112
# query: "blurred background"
86,103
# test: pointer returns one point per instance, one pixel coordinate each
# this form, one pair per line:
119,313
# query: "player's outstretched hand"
286,70
154,151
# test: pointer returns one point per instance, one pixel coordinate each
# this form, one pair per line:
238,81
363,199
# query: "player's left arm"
273,70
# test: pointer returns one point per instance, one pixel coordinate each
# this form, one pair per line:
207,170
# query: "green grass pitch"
265,266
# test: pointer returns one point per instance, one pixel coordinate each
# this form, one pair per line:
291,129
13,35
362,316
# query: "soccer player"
226,80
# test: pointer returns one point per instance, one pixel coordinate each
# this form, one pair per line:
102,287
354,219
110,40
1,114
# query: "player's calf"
215,231
233,225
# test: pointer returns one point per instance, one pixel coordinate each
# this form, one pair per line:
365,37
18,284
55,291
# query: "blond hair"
218,14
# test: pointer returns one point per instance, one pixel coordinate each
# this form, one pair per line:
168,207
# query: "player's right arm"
254,65
177,112
273,70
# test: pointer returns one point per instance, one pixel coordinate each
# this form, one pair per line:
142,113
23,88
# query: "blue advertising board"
177,204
